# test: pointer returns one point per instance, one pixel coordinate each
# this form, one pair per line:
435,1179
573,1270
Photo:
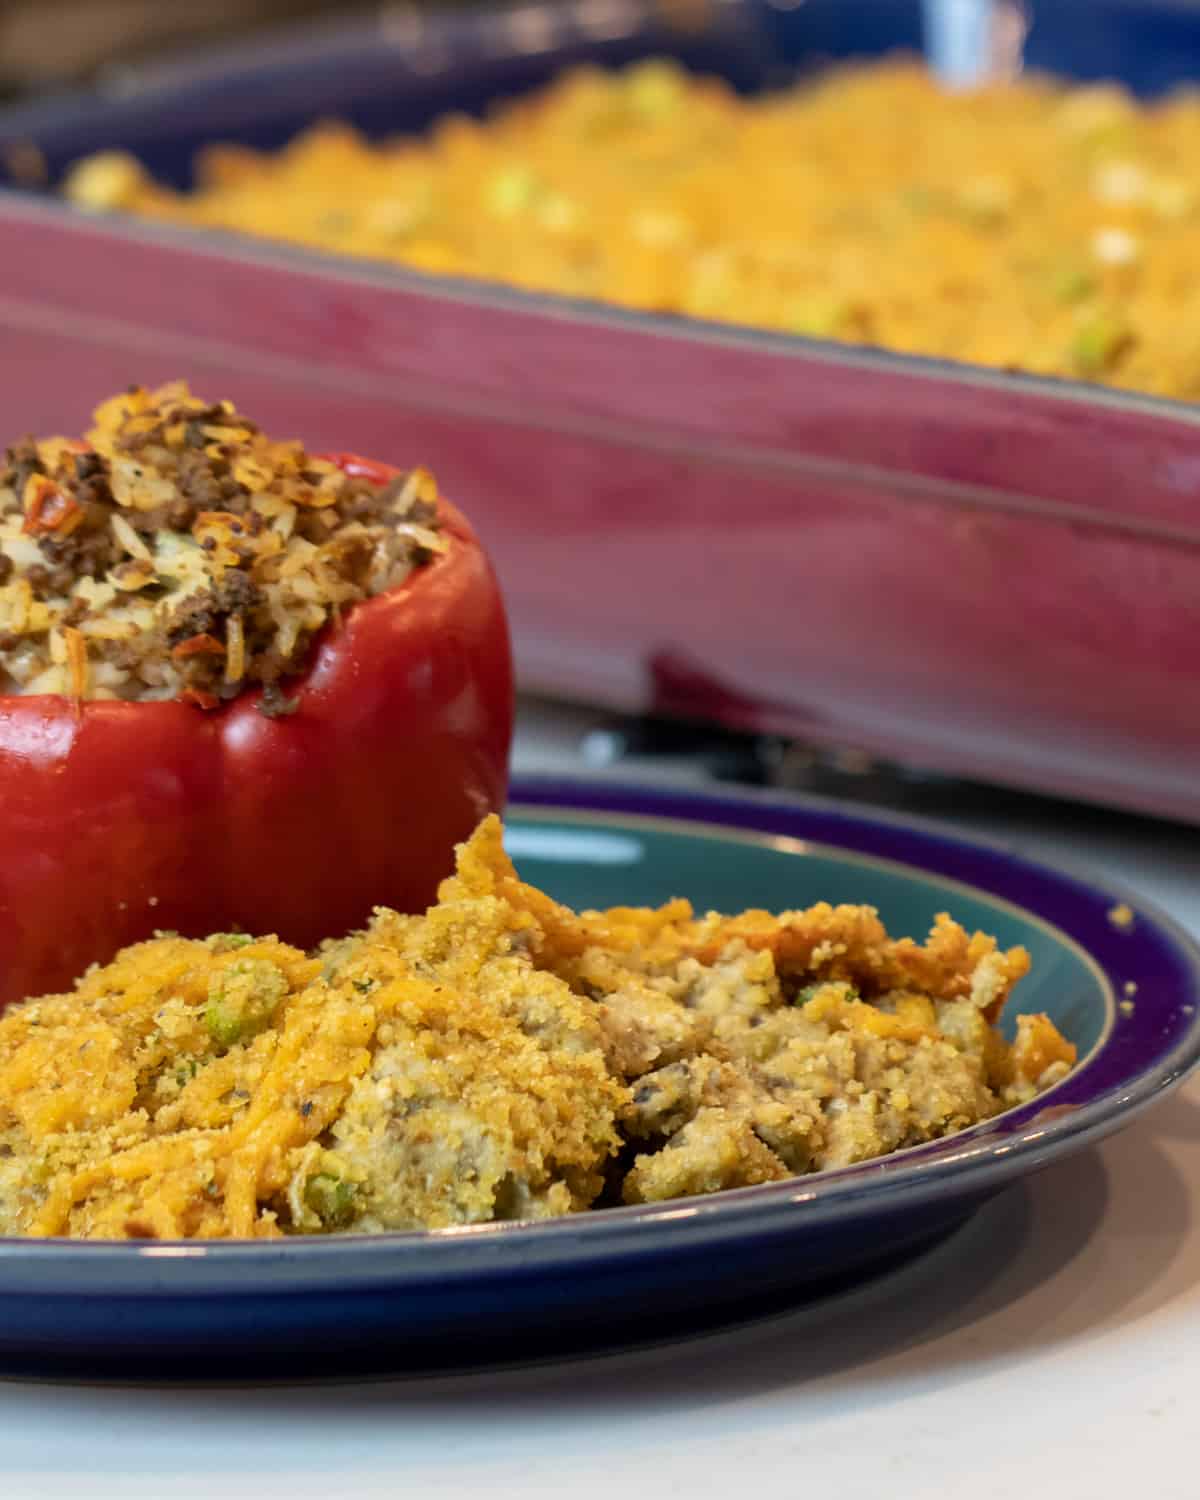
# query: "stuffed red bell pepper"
243,687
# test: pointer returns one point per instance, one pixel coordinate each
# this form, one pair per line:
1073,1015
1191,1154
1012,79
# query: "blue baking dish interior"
398,75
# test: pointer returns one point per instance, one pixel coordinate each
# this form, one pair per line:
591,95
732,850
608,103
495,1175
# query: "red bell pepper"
119,819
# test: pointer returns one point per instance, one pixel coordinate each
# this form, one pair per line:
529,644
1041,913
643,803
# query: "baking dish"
978,573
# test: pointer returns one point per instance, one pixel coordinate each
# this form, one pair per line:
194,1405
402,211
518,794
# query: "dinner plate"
1120,979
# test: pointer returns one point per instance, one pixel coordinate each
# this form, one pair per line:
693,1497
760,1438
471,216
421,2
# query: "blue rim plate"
1128,991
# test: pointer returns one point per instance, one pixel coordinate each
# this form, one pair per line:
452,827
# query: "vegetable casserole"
1033,226
500,1057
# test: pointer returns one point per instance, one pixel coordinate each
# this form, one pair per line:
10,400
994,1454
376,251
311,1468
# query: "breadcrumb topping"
500,1057
1035,225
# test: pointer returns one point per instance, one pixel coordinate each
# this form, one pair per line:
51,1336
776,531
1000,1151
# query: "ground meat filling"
180,553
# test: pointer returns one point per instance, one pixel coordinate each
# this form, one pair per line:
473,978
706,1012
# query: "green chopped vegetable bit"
331,1198
1098,341
655,89
1073,284
810,991
242,999
365,986
223,942
511,190
818,317
186,1071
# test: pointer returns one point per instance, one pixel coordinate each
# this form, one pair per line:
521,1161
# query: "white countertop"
1051,1347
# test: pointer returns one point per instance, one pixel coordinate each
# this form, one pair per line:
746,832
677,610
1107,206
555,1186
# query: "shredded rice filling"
181,553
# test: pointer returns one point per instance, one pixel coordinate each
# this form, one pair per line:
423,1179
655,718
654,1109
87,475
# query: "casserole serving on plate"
473,1294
